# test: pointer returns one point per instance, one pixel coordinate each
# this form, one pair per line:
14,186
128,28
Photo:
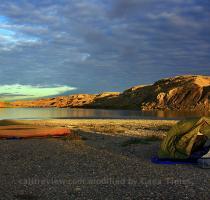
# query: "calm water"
68,113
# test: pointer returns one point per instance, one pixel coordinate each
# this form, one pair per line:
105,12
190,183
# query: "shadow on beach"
87,164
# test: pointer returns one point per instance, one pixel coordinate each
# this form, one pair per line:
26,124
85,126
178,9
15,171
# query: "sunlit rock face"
179,93
176,93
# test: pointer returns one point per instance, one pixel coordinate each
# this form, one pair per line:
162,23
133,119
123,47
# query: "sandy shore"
113,127
103,159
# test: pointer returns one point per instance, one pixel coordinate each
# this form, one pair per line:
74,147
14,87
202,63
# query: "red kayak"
29,131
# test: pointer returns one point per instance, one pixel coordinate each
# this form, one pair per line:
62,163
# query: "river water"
69,113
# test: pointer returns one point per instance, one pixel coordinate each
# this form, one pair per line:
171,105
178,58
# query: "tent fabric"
157,160
30,131
185,139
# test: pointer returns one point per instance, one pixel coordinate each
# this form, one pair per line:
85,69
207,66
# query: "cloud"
17,91
102,45
11,37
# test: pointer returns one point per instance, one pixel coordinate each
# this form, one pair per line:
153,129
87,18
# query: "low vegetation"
146,140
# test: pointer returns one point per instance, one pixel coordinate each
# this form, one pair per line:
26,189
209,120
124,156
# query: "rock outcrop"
176,93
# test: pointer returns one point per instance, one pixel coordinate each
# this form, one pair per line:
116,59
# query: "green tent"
185,139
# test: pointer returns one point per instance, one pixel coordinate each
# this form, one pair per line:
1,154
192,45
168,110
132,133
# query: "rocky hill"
176,93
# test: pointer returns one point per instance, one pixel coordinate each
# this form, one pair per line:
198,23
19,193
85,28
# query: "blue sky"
90,46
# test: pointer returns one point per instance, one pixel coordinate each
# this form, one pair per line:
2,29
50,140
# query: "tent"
189,139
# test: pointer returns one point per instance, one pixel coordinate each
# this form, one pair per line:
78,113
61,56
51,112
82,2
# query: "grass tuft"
146,140
72,136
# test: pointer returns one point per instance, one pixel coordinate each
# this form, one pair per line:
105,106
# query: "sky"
61,47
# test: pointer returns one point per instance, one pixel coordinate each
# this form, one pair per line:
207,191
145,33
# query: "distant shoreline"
179,93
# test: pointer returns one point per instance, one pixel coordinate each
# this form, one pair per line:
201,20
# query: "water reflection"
65,113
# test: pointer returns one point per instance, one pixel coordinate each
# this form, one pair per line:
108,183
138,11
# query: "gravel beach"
103,159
